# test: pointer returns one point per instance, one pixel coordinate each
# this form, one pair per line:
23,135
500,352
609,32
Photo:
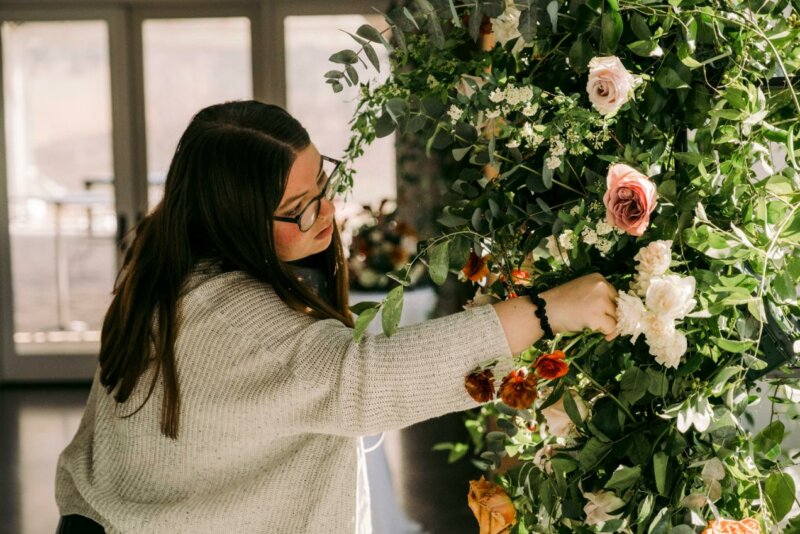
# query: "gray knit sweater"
272,406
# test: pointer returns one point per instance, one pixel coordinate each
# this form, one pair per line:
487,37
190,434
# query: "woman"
230,392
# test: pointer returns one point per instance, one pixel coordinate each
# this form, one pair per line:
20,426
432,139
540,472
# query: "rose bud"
491,506
629,199
551,366
518,389
480,385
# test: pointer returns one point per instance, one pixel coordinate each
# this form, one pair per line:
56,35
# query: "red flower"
518,389
512,294
551,366
480,385
476,267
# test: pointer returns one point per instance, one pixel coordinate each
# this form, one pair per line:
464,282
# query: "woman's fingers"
607,325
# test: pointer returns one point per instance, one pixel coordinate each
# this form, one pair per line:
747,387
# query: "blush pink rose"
609,85
630,199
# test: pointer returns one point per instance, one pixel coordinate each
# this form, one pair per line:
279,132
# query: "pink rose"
609,85
629,199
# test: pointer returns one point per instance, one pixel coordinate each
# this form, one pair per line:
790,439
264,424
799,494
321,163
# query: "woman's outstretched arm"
586,302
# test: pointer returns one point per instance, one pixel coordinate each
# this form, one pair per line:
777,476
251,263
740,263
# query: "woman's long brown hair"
226,179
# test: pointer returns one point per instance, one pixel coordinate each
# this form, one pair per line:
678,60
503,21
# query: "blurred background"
93,97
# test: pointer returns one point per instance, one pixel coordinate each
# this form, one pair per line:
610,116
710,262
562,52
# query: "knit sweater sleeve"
383,383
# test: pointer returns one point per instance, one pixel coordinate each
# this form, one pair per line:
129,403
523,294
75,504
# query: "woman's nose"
327,209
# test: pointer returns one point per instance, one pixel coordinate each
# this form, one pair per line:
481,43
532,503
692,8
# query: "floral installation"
655,143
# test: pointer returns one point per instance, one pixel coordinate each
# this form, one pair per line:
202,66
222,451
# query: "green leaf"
344,57
438,262
450,220
730,345
592,453
659,383
780,490
352,74
457,450
611,30
645,508
722,377
384,126
634,384
363,321
372,56
661,523
359,308
668,78
660,462
640,27
580,53
572,409
646,48
392,310
370,33
623,478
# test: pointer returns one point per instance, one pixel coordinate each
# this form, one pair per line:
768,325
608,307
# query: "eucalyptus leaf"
438,262
392,310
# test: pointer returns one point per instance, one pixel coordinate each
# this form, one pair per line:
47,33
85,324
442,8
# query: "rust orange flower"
491,506
476,267
551,366
729,526
518,389
521,277
480,385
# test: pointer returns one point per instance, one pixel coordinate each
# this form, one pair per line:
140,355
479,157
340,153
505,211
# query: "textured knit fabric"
272,406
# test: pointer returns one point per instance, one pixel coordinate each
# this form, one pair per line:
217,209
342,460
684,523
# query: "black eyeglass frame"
317,199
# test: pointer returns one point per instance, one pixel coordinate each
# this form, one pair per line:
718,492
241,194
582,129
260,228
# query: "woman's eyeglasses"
307,215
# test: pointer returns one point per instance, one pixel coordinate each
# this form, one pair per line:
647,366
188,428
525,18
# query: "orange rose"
480,385
492,507
476,267
729,526
518,389
551,366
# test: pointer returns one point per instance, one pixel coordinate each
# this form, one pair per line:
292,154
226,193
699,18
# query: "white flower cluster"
455,113
667,298
513,96
557,149
532,133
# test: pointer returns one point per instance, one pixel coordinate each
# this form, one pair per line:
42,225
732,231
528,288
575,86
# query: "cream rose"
630,198
609,85
600,505
558,422
655,258
630,315
668,350
671,296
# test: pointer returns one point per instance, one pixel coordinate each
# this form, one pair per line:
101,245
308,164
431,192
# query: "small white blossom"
565,240
553,162
603,228
497,96
492,113
555,251
589,236
514,143
455,113
432,82
574,210
529,110
604,245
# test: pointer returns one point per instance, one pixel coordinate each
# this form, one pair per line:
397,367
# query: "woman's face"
305,182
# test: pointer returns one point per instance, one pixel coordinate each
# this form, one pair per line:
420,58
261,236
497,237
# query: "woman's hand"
586,302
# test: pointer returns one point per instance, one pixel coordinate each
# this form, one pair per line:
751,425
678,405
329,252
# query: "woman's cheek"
286,241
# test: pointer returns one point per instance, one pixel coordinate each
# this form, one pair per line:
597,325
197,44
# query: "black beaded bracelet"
541,313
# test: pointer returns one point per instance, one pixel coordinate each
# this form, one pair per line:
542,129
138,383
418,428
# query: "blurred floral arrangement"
381,244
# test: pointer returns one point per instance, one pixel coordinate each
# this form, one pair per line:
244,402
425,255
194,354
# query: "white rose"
630,315
671,296
505,26
655,258
609,85
558,422
600,505
668,350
